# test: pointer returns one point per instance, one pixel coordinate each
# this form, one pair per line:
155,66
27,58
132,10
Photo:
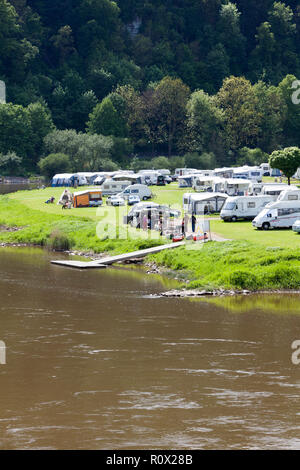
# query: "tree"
240,105
291,124
286,160
105,120
204,121
41,124
273,111
15,131
54,163
10,164
86,151
170,99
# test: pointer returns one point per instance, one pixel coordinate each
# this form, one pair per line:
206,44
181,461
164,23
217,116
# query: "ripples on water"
95,362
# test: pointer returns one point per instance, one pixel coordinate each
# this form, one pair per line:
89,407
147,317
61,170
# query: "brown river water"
97,360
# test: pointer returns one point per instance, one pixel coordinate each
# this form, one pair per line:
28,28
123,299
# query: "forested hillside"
209,79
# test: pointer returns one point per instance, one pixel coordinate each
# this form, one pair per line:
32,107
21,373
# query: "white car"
115,201
296,226
133,199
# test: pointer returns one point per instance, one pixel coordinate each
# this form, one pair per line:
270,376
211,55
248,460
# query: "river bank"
233,266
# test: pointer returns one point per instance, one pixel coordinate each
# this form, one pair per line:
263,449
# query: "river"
98,360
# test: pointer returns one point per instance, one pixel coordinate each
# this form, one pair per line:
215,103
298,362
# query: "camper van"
243,207
203,203
279,214
110,187
141,190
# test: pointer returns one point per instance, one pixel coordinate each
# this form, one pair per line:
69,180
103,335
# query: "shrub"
59,241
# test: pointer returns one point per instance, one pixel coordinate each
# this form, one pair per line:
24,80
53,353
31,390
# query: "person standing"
194,220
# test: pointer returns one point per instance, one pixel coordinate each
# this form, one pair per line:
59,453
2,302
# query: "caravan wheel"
234,218
265,226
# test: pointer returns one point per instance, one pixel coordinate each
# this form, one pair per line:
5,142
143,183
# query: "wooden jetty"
104,262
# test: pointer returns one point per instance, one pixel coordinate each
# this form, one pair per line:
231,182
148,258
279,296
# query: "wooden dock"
104,262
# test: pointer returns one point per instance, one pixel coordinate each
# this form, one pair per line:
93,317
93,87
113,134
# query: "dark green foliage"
54,163
74,54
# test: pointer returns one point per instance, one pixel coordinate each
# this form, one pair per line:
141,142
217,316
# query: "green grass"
252,260
237,264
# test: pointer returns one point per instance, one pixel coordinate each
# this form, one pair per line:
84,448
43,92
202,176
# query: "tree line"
202,83
240,124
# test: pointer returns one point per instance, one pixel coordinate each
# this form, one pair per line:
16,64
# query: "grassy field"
252,259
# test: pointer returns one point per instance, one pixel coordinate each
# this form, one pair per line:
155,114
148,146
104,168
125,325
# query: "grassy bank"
251,260
235,264
61,231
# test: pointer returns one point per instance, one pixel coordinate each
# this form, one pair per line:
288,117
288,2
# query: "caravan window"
292,197
251,205
135,191
185,200
289,211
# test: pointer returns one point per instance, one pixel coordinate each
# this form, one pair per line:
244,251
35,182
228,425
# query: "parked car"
115,201
296,226
133,199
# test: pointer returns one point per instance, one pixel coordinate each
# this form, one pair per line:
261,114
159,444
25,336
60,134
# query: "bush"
54,163
59,241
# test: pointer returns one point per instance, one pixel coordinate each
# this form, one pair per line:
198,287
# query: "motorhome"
203,203
110,186
141,190
243,207
279,214
276,188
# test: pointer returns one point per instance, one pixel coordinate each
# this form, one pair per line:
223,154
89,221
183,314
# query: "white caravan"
279,214
231,186
224,172
184,171
275,189
141,190
203,203
243,207
205,183
289,195
252,173
110,187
